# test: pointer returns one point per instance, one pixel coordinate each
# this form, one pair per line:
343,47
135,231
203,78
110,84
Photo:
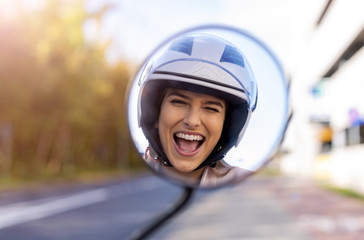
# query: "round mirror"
208,107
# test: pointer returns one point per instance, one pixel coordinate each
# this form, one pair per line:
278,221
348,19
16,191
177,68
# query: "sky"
138,26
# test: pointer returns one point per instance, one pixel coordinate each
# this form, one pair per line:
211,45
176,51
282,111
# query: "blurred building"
328,96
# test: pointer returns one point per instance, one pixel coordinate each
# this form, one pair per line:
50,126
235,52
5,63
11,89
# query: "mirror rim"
288,110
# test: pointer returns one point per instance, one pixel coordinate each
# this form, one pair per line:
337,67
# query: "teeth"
189,137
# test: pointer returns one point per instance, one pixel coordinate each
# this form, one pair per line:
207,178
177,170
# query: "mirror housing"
260,139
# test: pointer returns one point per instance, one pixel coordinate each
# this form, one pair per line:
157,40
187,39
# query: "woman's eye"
212,109
178,102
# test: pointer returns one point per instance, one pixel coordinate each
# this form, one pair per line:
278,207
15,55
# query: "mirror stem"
160,220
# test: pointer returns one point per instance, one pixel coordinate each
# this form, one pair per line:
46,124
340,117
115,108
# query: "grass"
345,192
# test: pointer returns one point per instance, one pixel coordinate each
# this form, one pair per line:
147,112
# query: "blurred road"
107,210
261,208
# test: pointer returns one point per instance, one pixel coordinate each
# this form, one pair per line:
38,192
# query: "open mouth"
188,143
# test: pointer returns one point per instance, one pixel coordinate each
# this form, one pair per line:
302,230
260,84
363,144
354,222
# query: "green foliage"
345,192
61,102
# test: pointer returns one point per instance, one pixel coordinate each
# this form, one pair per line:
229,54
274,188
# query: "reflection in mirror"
194,111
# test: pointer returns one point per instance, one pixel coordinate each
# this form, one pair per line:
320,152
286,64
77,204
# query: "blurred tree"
62,101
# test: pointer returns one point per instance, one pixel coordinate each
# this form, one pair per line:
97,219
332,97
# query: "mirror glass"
261,137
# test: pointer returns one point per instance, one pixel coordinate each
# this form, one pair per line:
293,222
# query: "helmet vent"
184,45
231,55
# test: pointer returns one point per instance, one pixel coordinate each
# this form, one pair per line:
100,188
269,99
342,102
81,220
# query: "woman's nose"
192,118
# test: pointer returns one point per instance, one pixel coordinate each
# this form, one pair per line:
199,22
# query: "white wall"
318,48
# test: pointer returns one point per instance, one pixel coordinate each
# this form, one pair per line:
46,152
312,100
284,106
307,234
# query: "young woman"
195,102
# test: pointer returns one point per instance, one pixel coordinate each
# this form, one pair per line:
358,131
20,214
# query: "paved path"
269,209
322,213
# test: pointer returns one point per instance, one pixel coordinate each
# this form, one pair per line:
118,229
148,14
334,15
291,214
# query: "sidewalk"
322,213
264,208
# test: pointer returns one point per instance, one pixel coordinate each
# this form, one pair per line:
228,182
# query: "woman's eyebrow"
219,104
209,102
178,94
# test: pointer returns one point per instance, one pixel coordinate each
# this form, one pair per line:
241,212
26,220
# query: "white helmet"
205,64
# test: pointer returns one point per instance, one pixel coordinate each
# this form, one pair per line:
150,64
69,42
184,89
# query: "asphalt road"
114,209
108,210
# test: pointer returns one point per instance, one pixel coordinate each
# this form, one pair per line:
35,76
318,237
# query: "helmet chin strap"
155,148
156,156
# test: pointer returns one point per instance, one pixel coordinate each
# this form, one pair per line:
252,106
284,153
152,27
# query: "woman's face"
189,125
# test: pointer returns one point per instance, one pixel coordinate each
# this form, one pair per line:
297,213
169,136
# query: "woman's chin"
185,169
184,164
